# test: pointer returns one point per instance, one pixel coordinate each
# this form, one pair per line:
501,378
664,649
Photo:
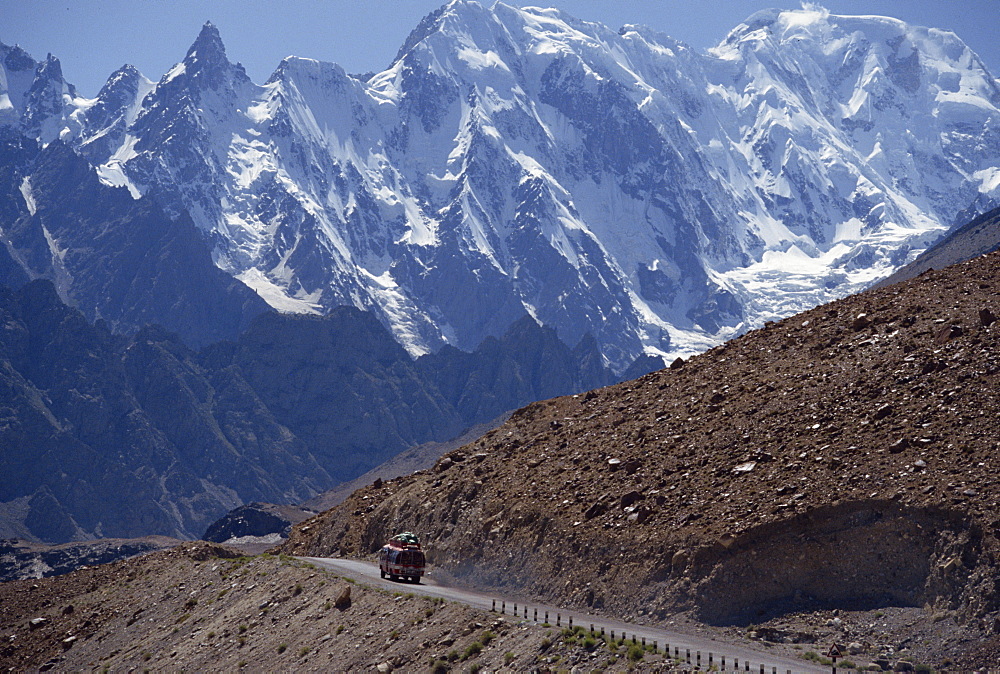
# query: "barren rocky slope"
842,459
200,607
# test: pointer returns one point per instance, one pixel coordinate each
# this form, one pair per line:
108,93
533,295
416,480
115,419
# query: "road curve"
758,660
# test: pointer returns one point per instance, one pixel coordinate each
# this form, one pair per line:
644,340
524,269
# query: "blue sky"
93,38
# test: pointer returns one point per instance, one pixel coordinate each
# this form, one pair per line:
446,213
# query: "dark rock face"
343,385
115,258
527,363
107,437
256,519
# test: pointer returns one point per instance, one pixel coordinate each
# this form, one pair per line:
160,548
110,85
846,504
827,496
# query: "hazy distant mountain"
105,436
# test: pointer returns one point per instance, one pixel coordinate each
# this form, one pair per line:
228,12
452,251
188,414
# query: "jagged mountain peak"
206,63
518,160
444,17
208,45
49,73
15,58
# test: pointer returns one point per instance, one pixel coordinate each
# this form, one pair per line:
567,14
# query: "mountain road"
733,656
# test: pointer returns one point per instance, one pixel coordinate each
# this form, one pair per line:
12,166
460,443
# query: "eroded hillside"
842,458
201,607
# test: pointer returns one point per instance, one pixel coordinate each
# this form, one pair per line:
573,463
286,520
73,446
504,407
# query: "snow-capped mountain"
518,161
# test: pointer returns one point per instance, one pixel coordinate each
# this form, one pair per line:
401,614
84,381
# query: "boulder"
343,600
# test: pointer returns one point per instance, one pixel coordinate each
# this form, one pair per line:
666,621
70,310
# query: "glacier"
513,161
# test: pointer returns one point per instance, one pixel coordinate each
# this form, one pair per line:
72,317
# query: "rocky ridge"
839,459
203,607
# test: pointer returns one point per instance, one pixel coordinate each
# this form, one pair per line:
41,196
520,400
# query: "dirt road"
730,656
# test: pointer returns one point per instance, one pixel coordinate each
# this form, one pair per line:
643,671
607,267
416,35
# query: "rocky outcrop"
257,520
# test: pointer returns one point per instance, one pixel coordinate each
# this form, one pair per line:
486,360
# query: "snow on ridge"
617,183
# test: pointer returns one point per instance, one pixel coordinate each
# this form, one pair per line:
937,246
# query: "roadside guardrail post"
698,659
558,619
503,606
689,656
494,609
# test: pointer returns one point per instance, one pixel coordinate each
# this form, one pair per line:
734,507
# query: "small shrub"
282,648
817,658
508,658
211,635
191,602
590,643
635,652
242,628
923,668
340,629
304,651
475,667
439,667
486,637
546,642
453,655
297,590
472,650
242,640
